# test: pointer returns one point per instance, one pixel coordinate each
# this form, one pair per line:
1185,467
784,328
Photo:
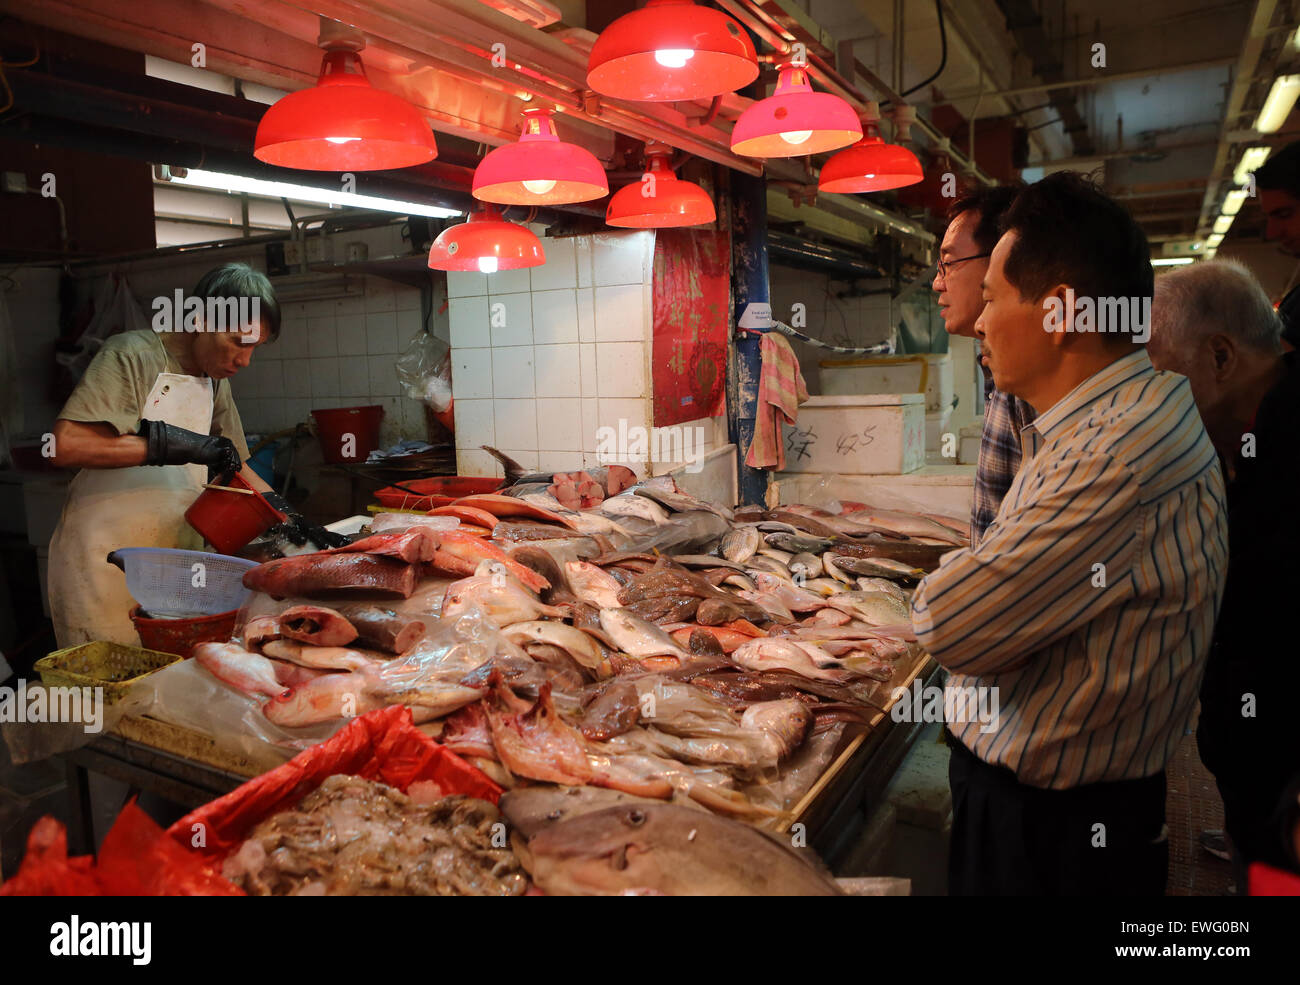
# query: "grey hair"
1219,296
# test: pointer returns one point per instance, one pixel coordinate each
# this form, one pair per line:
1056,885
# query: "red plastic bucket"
229,520
180,636
334,426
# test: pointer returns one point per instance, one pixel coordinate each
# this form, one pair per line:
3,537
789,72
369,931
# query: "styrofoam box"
891,374
870,434
946,489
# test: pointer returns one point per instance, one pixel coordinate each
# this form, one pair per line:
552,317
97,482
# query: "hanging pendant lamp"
660,199
672,49
871,165
795,120
539,168
343,123
486,243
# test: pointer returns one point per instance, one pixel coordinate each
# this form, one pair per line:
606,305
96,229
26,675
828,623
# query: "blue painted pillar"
750,290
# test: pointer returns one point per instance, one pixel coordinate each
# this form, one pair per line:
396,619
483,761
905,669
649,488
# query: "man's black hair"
1068,231
1281,172
988,202
239,280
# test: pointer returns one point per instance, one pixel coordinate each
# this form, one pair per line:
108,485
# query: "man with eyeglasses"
963,261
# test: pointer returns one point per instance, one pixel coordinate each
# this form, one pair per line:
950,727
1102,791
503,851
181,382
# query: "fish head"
605,851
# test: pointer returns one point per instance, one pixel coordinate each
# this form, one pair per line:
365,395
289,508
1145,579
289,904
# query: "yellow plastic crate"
112,666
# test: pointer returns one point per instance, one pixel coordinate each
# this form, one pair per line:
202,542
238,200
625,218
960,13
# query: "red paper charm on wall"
692,315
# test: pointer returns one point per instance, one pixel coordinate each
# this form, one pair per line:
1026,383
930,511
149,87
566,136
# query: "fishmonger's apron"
142,506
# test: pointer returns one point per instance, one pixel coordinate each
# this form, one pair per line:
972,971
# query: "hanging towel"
781,390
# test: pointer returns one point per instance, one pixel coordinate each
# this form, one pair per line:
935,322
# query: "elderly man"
1090,602
1213,323
963,261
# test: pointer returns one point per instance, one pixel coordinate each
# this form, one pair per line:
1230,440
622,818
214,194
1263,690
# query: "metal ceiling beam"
1026,26
1145,73
1256,42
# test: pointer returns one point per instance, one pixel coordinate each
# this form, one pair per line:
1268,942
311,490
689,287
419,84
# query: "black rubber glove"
297,530
170,445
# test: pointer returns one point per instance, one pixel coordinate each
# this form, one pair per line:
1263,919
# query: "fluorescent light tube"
306,193
1233,201
1277,107
1251,160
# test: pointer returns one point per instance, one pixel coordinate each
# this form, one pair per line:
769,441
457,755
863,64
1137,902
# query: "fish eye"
636,816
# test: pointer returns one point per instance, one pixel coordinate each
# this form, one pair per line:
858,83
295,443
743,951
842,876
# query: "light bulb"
796,136
488,265
674,57
341,140
540,186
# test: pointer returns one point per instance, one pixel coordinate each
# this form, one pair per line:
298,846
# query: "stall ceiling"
1160,124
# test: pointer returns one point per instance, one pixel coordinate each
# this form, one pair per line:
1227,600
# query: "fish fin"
512,468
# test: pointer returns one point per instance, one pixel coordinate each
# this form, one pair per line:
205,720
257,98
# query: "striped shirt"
1090,602
999,459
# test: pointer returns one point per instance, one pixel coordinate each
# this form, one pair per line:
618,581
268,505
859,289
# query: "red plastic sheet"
692,314
383,745
137,858
134,860
1265,880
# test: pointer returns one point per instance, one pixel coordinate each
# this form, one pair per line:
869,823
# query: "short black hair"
239,280
1068,231
1281,172
988,202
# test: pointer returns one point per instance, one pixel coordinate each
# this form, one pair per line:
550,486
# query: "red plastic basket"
438,491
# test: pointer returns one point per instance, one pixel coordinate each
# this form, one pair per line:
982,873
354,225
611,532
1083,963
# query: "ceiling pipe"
1090,81
755,19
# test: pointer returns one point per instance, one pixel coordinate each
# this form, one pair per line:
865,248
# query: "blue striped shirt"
1090,602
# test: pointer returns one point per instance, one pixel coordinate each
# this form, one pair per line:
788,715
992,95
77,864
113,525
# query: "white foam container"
868,434
892,374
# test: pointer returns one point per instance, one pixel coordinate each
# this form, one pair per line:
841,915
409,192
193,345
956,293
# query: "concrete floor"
907,836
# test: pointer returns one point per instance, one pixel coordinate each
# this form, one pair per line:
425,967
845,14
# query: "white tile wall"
331,353
510,317
558,370
555,316
515,422
539,367
621,314
512,371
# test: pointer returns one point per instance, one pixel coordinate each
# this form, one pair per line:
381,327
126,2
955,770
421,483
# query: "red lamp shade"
539,169
486,243
343,123
660,199
870,165
795,120
672,49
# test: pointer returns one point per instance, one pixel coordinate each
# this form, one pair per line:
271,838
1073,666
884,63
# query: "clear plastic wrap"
393,523
424,370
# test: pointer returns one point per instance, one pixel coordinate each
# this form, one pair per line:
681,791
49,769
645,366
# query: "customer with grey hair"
1213,323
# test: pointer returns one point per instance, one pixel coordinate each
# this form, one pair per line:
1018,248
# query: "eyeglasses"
946,265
